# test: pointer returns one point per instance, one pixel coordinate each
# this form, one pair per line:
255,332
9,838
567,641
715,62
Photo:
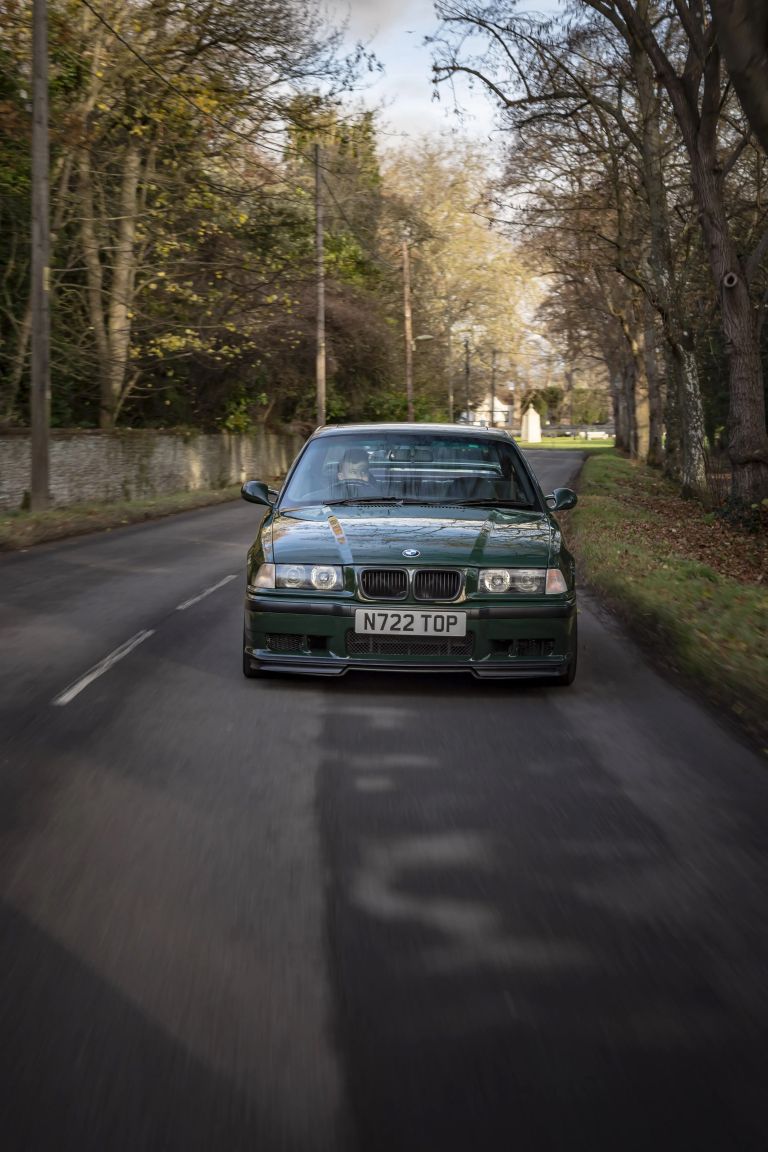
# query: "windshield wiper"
366,500
494,504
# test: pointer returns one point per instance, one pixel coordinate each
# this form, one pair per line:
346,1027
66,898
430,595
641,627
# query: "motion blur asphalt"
380,913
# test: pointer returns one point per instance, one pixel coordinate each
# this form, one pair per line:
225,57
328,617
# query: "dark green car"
410,547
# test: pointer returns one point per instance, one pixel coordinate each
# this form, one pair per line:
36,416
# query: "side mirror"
256,493
561,500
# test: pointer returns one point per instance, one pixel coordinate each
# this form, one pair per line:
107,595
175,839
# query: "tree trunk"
569,385
693,478
616,374
123,284
685,440
633,378
94,275
673,443
655,455
631,368
746,433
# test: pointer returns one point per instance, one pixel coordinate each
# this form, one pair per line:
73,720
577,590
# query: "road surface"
376,914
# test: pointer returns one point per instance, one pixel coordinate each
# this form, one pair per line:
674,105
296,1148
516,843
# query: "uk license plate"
410,623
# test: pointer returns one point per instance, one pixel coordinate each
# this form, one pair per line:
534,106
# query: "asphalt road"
369,915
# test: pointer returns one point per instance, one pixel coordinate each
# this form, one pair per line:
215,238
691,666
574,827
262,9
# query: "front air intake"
286,642
384,583
436,584
453,647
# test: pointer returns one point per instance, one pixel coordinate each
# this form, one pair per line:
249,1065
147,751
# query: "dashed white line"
102,667
195,599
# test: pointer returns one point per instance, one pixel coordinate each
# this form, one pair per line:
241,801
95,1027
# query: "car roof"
455,429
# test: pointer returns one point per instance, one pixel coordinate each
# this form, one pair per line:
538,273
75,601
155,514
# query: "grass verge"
20,530
688,585
571,443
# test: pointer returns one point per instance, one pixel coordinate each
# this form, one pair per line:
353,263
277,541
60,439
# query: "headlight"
319,577
291,576
325,578
495,580
528,581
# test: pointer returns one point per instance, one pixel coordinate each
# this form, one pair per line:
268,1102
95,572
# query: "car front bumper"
504,641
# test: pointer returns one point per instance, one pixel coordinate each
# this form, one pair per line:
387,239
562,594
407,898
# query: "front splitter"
306,666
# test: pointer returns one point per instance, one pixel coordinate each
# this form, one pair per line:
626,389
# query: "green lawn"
573,443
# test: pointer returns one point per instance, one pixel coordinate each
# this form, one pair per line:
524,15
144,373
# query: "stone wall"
93,467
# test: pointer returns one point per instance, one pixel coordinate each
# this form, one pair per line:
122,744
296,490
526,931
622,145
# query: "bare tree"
677,39
695,87
575,164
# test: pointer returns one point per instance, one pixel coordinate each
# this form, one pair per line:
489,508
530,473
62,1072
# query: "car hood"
363,535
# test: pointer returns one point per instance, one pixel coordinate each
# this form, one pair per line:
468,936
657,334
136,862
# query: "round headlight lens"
528,580
292,576
495,580
324,577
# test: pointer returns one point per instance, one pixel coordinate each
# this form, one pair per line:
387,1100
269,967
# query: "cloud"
370,17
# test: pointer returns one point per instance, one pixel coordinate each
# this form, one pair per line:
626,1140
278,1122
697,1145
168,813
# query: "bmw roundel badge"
411,552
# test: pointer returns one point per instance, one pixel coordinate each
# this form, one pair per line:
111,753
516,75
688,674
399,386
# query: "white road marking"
103,666
195,599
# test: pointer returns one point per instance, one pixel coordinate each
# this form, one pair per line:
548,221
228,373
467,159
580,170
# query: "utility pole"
466,373
40,384
408,324
320,357
493,388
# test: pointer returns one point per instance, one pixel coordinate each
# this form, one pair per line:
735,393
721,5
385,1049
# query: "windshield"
416,468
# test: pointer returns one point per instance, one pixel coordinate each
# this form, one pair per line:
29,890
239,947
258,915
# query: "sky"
395,30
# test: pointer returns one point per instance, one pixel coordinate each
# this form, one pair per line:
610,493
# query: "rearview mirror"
561,500
257,493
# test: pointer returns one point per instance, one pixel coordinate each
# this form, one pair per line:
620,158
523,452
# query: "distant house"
506,412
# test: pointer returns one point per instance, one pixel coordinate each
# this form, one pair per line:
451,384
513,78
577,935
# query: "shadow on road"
520,959
83,1069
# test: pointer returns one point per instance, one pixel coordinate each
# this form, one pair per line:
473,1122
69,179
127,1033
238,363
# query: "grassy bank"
688,585
571,443
23,529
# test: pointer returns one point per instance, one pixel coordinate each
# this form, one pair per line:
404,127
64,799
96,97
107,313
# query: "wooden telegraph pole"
40,385
320,357
408,325
493,388
466,374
